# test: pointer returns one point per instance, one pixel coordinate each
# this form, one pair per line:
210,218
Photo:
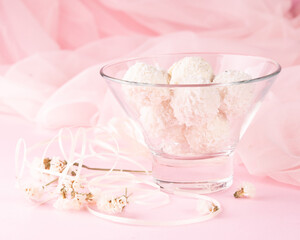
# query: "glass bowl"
191,129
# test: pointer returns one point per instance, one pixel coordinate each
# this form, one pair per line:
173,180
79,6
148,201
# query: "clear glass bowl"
192,130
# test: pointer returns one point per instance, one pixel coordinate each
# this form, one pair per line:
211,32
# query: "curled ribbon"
82,148
158,222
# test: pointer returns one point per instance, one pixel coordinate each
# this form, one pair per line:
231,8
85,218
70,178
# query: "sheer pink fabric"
51,53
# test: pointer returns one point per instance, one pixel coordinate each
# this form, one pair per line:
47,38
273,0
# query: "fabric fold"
51,53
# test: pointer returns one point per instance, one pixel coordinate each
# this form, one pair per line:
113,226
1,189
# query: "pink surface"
50,56
272,214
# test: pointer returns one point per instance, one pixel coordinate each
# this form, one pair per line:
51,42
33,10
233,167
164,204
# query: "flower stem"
108,169
53,181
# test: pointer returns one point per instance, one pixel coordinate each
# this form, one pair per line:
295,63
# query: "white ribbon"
20,172
158,222
149,198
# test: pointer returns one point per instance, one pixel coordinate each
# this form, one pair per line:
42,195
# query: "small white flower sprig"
113,205
73,195
245,190
207,207
60,179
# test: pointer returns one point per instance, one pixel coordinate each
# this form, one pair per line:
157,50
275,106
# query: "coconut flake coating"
155,119
194,105
209,137
162,128
145,96
191,70
235,99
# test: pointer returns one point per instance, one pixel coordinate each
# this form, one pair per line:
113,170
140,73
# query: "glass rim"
122,81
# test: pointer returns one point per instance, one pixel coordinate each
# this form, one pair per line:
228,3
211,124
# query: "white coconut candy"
235,99
146,95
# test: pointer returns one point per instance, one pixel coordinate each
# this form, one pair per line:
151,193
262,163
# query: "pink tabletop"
273,214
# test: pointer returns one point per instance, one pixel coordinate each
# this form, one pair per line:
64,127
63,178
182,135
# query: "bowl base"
203,175
197,187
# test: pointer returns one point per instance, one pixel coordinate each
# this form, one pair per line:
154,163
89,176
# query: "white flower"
112,205
36,168
52,165
206,207
57,165
73,195
67,204
33,191
71,187
249,189
246,190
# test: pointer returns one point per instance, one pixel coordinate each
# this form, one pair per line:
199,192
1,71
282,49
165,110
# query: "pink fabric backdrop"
51,53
